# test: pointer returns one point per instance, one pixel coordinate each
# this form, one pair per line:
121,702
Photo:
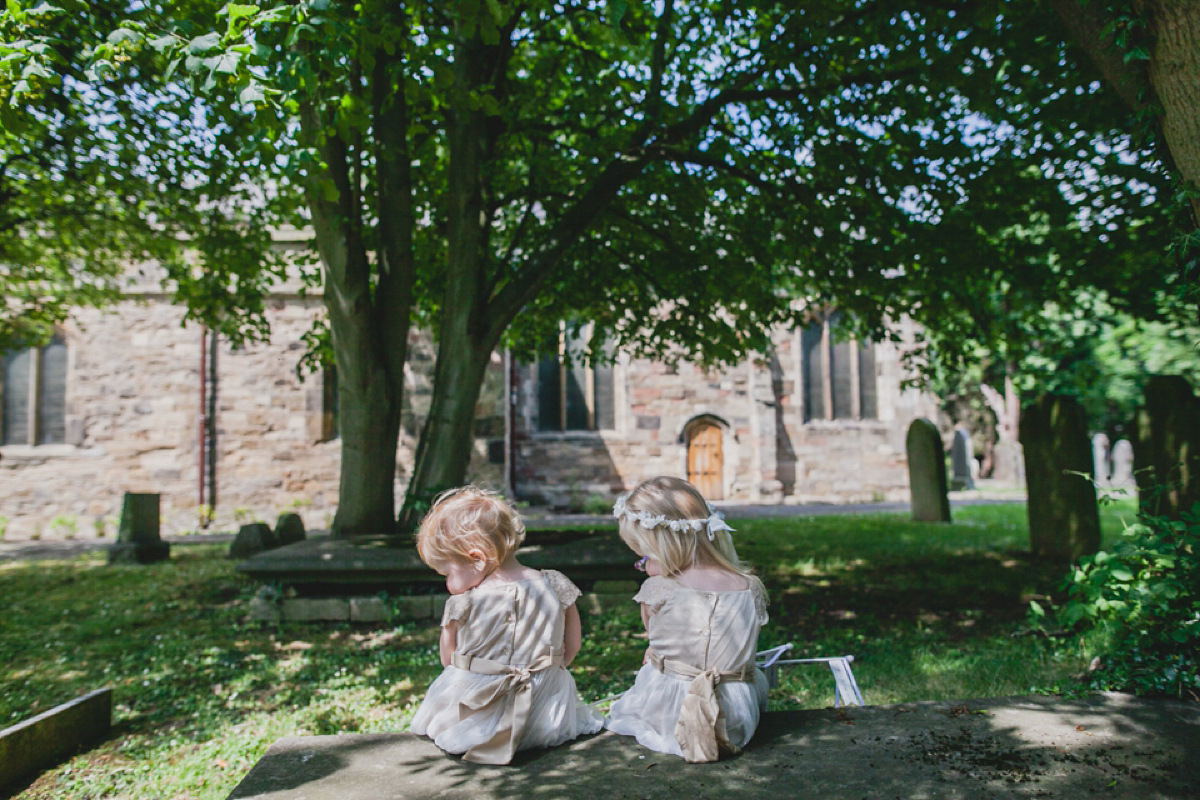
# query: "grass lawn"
201,692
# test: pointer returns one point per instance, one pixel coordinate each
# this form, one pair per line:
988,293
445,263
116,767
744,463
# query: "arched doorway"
705,458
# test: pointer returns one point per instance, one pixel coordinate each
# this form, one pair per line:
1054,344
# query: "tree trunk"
1064,518
467,333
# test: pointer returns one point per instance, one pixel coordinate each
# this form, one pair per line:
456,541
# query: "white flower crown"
714,523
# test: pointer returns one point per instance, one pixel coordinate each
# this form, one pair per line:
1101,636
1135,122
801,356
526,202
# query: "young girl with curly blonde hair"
508,634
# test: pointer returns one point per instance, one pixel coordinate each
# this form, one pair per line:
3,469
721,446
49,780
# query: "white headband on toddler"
714,523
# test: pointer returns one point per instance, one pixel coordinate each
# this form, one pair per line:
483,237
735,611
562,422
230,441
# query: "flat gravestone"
927,472
1109,746
139,541
962,453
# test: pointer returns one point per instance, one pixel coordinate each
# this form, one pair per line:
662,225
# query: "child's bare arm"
448,642
572,635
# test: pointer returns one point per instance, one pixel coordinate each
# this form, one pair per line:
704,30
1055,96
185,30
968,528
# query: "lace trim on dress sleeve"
566,591
458,607
655,591
760,603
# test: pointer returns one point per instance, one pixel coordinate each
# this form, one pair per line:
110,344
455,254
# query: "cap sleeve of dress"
760,603
458,608
655,591
566,591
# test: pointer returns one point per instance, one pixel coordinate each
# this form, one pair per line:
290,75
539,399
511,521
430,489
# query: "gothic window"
838,374
573,396
34,407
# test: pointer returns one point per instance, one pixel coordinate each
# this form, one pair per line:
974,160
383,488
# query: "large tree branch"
1086,23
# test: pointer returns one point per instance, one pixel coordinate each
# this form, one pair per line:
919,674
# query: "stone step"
1110,746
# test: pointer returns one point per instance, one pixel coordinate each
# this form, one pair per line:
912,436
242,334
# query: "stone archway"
706,457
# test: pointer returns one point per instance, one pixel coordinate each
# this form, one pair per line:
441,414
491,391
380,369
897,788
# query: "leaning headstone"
139,541
1100,459
962,453
1122,463
927,472
252,538
1167,448
289,529
1064,518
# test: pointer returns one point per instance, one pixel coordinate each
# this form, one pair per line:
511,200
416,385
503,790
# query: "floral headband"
714,523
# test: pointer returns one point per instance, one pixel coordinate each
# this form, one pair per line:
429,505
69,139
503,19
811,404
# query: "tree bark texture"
1167,448
1064,518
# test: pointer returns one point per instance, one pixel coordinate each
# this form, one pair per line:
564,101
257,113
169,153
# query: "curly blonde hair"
466,519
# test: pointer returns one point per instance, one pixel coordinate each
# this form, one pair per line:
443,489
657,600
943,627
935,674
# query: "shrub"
1143,598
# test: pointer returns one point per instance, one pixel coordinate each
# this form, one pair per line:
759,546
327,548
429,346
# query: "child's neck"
510,570
712,578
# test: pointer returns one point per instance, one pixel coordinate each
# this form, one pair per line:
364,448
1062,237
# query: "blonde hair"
676,550
466,519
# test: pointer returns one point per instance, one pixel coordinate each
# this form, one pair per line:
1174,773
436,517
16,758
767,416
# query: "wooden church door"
705,460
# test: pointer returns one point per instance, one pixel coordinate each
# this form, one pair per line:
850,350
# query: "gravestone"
927,472
1064,518
1122,463
251,539
962,453
1167,449
1008,463
139,541
1100,472
289,529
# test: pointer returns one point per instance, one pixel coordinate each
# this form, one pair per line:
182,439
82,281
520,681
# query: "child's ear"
478,559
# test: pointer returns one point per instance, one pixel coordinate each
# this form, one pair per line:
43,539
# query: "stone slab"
375,563
1110,746
54,735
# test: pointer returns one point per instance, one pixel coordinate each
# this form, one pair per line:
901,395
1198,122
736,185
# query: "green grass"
201,692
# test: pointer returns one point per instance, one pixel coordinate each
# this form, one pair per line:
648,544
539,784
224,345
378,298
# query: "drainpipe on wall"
203,427
211,419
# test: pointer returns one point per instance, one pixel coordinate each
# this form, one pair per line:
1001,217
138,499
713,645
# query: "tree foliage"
675,172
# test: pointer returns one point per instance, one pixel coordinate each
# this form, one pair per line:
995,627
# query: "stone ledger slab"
1110,746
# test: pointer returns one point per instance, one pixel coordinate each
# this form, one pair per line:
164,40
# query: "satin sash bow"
700,730
514,689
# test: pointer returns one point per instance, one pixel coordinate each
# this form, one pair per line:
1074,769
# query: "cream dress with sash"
506,689
701,685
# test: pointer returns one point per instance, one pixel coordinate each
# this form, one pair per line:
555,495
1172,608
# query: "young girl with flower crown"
508,634
699,693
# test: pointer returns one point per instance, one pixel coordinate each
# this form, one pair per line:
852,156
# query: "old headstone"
1122,464
962,453
927,472
139,541
252,538
1100,472
1167,447
289,529
1008,463
1064,518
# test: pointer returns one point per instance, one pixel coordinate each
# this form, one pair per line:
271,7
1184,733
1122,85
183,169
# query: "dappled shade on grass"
201,691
